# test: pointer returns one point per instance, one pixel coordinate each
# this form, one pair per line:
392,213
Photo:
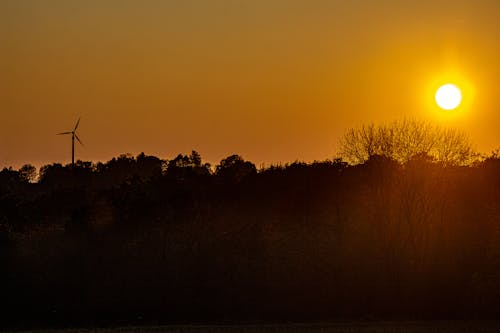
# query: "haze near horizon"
274,81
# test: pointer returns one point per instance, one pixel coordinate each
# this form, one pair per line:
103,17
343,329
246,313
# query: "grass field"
380,327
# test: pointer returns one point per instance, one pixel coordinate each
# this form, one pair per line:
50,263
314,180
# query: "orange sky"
272,80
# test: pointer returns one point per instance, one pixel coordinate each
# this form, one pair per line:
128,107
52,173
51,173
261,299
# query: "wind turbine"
73,136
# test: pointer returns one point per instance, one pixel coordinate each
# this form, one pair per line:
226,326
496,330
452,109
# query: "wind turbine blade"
63,133
76,136
77,123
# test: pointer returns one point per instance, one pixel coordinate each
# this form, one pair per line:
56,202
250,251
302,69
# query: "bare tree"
359,144
404,139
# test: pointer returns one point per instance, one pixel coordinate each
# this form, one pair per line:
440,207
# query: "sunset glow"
273,80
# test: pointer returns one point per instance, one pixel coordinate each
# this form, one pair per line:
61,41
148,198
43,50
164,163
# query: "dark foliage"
142,240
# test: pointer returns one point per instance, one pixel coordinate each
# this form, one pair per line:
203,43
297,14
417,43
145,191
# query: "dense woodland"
144,240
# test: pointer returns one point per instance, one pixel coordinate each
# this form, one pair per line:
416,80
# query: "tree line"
145,240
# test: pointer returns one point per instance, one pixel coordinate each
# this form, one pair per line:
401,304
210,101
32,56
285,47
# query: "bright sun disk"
448,96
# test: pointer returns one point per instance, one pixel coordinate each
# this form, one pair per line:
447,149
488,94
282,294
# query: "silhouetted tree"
186,166
401,140
9,179
234,169
28,173
58,176
149,167
125,167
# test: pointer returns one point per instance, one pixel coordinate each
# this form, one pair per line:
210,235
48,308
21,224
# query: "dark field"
406,327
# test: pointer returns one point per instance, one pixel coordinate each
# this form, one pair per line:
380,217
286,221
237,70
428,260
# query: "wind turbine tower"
73,136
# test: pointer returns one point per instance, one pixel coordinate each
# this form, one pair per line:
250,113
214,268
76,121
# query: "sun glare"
448,97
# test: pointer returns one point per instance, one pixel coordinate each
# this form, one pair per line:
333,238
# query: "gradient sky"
272,80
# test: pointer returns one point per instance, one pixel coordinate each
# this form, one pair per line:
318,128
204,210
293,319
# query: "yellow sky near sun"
274,80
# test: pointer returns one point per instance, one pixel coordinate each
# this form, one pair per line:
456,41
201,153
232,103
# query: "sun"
448,96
